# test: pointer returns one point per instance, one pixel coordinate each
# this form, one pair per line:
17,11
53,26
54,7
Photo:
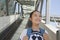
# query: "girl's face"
36,18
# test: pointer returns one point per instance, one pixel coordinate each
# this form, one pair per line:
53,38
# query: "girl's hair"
33,12
29,24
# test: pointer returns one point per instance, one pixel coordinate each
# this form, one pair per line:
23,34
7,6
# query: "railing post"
58,35
47,12
7,7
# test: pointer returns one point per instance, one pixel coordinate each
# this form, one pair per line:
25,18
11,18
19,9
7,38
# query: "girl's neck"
35,27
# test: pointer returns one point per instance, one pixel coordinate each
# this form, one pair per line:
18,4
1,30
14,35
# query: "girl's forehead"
36,13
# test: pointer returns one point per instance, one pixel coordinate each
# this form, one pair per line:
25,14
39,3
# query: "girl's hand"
25,37
46,37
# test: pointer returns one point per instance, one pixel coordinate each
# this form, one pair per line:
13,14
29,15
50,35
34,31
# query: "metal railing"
56,23
39,3
19,7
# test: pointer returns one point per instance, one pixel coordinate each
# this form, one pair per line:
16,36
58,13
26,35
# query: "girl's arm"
25,37
23,34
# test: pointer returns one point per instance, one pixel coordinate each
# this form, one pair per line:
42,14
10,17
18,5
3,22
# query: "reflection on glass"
11,7
2,8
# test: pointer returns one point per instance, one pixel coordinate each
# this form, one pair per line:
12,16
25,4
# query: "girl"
35,32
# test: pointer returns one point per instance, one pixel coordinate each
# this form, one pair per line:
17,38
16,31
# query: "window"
6,7
11,7
2,8
55,12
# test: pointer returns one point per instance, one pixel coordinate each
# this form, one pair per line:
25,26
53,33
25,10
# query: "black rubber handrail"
9,32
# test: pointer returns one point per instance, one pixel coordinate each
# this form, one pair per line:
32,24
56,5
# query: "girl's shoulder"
45,31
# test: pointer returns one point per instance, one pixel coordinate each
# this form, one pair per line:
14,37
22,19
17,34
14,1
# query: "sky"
54,8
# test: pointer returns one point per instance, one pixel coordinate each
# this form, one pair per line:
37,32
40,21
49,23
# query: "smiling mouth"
38,20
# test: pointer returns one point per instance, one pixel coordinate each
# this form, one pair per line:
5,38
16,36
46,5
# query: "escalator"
8,32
